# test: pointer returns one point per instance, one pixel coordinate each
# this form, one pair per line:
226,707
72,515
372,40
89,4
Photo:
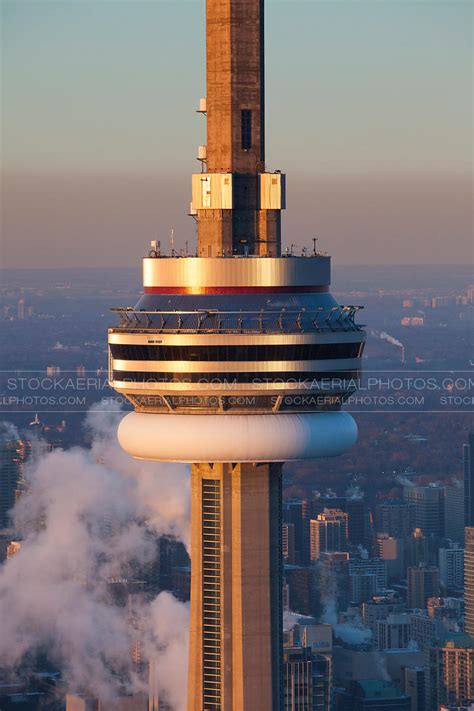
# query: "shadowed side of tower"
235,625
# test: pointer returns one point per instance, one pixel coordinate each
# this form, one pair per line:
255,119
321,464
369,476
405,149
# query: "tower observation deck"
236,360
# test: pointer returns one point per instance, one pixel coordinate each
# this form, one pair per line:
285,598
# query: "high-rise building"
328,532
450,671
417,549
395,518
393,632
333,578
306,680
356,521
424,629
362,587
380,608
296,514
392,550
423,583
217,357
428,503
10,475
414,687
469,580
451,567
288,543
371,566
454,512
468,461
301,581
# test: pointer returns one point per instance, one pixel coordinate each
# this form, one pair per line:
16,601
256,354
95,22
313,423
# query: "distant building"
379,609
300,581
372,695
13,548
306,680
468,462
362,587
333,577
423,582
329,532
392,550
451,568
10,475
21,309
318,637
454,512
417,549
425,630
469,580
182,582
428,503
393,632
450,672
371,566
288,543
412,321
296,512
356,513
395,518
414,687
136,702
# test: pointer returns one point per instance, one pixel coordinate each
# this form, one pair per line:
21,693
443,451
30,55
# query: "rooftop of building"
378,689
456,640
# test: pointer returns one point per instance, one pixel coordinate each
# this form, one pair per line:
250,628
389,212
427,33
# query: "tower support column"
235,625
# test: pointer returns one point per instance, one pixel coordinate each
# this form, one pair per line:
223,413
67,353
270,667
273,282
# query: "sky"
369,111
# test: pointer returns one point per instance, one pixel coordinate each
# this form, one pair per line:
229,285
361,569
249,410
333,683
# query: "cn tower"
236,360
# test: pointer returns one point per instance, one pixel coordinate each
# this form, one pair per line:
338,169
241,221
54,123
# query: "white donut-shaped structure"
236,438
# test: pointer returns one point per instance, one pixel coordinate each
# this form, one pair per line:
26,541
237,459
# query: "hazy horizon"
368,113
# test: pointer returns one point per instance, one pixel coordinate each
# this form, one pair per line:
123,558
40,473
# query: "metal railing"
337,318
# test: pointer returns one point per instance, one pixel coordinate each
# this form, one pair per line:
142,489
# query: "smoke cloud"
404,481
8,431
350,632
384,336
84,521
354,492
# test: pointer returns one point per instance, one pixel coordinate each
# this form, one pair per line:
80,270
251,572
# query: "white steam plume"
8,431
350,632
404,481
86,518
384,336
354,492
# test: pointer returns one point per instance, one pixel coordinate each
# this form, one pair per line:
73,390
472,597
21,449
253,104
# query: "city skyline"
382,128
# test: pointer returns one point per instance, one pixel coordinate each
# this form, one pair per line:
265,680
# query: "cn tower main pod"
236,360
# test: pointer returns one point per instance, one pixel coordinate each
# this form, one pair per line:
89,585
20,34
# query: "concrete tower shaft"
235,626
237,203
235,86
